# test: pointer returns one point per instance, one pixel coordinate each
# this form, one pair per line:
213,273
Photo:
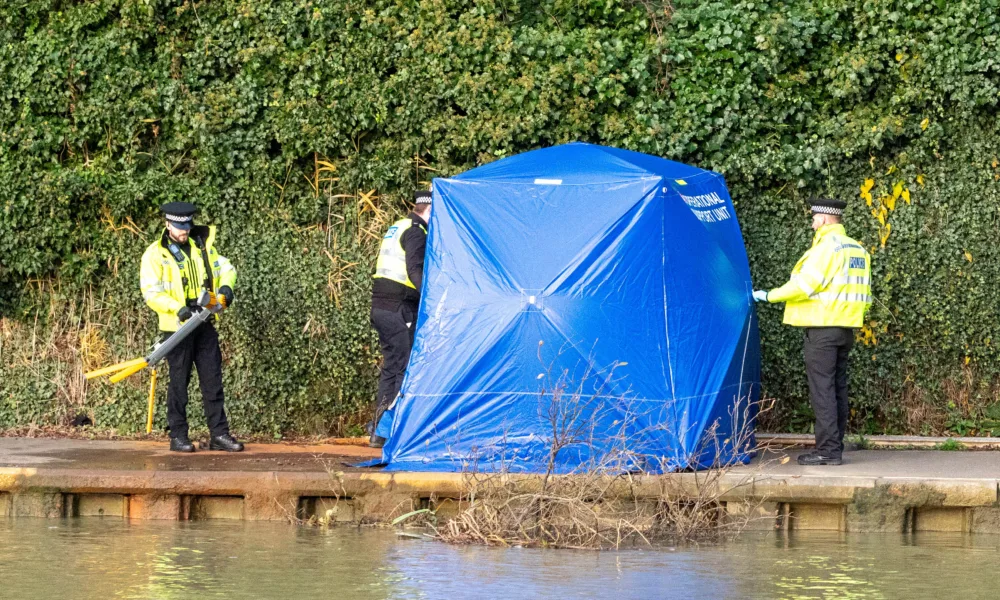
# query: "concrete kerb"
945,492
729,486
780,440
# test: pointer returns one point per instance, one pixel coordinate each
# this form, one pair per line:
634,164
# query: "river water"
105,559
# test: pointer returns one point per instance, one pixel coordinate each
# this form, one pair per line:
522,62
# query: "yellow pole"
152,397
114,368
132,370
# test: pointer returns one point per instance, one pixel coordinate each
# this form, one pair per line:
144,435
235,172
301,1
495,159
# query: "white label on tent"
548,182
709,208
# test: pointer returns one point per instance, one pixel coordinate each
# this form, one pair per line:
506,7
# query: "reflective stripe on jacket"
391,263
161,278
830,285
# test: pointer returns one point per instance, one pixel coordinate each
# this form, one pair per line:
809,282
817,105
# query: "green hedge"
301,125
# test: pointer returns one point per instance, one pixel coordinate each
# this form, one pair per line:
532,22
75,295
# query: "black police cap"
828,206
422,198
179,214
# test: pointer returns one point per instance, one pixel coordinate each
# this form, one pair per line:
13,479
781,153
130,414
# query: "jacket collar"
828,230
417,219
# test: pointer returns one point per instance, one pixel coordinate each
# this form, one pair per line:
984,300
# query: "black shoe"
181,445
225,442
815,459
376,441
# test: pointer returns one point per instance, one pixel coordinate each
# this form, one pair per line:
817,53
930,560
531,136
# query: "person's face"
178,235
819,220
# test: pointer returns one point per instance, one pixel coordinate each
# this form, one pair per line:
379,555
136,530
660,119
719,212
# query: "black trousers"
826,351
395,336
201,349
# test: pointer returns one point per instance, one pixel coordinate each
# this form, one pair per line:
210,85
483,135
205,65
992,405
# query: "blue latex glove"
760,296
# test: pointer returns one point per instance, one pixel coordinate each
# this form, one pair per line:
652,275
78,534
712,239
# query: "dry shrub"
617,497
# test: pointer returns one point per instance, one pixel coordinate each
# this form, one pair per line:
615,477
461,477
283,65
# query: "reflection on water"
110,558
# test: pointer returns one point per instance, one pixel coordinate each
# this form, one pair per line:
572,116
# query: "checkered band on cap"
828,210
422,198
180,218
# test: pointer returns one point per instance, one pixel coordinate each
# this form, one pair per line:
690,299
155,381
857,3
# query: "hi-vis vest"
830,285
391,262
162,277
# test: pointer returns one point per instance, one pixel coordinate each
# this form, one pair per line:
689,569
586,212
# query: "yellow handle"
129,371
115,368
152,397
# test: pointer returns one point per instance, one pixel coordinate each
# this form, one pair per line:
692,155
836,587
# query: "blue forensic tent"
589,297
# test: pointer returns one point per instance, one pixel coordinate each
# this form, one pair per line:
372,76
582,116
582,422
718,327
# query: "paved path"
155,456
892,464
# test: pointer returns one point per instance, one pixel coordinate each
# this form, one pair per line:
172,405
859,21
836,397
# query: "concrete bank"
876,490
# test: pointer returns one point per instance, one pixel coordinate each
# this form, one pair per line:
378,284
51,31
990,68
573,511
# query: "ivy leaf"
866,190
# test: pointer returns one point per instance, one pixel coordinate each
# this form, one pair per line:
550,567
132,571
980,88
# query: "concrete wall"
783,503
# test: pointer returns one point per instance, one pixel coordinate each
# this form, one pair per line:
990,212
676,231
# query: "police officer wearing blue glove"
828,295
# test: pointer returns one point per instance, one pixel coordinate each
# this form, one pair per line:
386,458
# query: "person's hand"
184,314
760,296
227,294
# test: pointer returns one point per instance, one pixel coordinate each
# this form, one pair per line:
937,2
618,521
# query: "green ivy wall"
300,126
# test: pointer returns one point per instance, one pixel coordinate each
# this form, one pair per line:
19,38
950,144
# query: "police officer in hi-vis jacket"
399,273
176,269
827,296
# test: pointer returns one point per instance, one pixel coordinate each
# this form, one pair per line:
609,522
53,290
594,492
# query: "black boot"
814,459
225,442
181,445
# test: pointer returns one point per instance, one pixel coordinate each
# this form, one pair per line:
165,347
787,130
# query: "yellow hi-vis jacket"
391,263
830,285
167,284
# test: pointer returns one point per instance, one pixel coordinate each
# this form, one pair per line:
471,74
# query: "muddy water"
101,558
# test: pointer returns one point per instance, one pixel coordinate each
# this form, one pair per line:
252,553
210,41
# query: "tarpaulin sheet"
582,307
